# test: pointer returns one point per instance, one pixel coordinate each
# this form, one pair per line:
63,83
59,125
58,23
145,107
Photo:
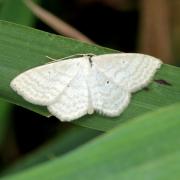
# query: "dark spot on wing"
107,82
90,59
163,82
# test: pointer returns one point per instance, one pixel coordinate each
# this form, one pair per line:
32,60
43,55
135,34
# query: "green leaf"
146,148
16,11
61,144
23,48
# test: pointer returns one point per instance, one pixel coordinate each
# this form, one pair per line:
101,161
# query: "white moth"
77,86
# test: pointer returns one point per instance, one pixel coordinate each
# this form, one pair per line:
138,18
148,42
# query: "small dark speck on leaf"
107,82
163,82
146,89
50,35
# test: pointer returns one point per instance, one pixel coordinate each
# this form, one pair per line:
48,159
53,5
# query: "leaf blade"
21,49
140,149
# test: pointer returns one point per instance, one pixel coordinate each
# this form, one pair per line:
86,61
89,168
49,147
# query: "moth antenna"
71,56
